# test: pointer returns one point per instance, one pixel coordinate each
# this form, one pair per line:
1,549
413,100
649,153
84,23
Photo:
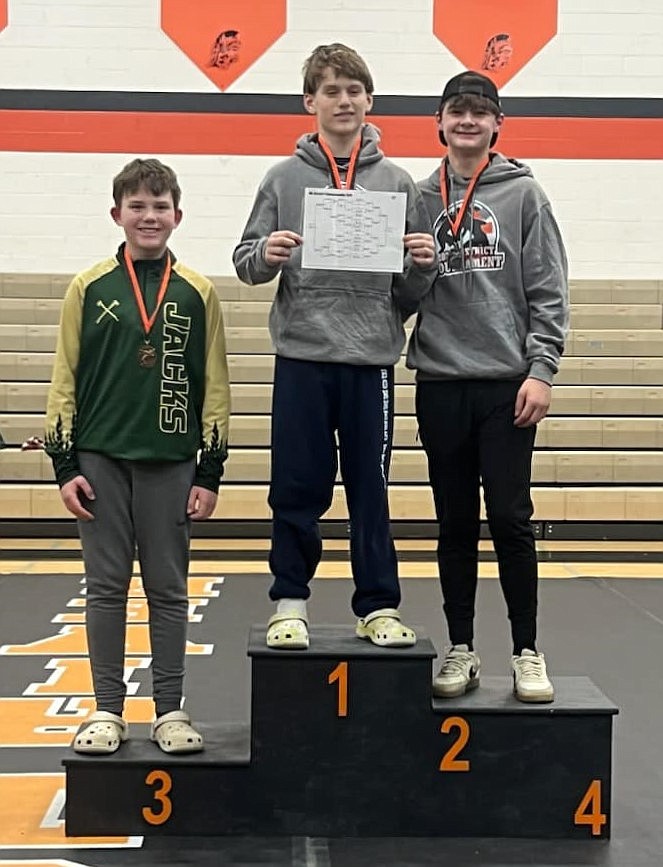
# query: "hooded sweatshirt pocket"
341,325
475,340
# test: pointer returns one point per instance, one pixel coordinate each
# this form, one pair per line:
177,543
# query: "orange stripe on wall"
264,134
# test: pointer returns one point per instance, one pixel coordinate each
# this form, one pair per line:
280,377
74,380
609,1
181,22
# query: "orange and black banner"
224,39
268,124
499,37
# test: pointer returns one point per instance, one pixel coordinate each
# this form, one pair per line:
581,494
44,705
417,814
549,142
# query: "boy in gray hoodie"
337,335
486,346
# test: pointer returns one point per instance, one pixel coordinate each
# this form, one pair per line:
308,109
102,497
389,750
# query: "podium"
345,740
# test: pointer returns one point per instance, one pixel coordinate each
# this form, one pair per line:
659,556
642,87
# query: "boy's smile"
148,222
340,105
468,130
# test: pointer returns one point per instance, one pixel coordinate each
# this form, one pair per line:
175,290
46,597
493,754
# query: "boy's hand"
71,494
421,247
280,245
532,402
201,503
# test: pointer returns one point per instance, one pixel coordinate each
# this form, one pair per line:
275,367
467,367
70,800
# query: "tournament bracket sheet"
353,230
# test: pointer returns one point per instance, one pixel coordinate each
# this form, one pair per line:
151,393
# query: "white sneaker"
459,673
530,679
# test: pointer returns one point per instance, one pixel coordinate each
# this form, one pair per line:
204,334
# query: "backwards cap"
471,82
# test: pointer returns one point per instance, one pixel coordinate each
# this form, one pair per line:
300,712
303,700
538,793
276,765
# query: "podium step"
345,740
141,787
513,769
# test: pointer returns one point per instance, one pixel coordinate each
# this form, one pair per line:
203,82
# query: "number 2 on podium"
450,762
340,675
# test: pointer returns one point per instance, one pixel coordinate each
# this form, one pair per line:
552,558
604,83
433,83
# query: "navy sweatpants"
312,402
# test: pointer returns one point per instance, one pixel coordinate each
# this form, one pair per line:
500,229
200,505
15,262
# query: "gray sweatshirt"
499,308
354,317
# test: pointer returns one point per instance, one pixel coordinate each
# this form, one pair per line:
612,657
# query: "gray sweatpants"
138,505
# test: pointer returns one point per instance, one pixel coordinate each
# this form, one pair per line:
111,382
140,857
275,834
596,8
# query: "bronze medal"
147,355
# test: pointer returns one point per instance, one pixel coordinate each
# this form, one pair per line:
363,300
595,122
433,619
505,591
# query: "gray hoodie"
499,310
355,317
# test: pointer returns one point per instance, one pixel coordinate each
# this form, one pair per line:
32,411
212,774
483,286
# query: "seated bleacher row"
598,454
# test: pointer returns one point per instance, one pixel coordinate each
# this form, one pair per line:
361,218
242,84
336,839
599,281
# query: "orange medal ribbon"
352,165
147,354
148,321
455,224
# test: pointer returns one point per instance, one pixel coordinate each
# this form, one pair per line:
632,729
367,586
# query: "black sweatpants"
312,402
467,430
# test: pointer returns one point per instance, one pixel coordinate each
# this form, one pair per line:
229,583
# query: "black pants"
312,401
467,430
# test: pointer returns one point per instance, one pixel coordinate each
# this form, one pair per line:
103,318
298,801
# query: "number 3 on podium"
164,781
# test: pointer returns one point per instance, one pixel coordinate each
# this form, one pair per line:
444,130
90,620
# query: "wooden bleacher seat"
408,466
253,314
255,397
255,339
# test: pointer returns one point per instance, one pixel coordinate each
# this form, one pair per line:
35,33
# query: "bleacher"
598,454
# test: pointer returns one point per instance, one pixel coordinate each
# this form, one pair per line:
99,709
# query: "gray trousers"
138,506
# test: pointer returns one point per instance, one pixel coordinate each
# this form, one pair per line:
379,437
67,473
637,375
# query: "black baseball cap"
471,82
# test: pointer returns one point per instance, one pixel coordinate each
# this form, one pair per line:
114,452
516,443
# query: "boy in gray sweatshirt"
486,346
337,335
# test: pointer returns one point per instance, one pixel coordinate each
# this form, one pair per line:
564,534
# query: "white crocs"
173,733
287,631
384,628
100,734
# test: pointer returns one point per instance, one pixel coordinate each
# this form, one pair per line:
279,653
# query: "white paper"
353,230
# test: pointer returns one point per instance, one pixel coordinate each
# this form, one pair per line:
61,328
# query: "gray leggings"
138,505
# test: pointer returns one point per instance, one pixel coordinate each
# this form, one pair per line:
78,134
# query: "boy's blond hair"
152,174
342,59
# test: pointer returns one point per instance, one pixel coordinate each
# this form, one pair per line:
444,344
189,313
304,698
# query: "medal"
147,355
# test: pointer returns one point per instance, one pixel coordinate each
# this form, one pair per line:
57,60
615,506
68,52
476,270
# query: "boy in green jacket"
139,389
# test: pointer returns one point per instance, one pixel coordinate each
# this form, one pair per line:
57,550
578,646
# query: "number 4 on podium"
589,809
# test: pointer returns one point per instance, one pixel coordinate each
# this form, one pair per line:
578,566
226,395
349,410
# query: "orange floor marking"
49,722
72,640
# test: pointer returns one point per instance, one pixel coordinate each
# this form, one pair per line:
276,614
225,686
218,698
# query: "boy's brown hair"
471,102
342,59
152,174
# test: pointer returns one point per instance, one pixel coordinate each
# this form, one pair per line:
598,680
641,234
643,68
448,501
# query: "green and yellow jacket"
102,400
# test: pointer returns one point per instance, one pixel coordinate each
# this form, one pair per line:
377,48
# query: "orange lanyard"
352,165
455,224
148,322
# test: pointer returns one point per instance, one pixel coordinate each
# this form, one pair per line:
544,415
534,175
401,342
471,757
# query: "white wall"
54,207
